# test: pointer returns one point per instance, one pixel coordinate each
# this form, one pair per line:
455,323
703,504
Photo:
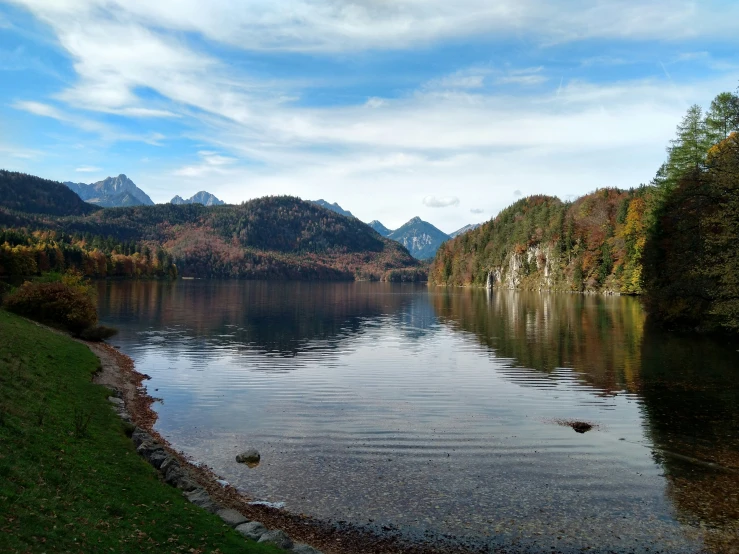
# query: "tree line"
673,240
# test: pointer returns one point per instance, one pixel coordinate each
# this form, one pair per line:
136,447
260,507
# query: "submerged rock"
249,456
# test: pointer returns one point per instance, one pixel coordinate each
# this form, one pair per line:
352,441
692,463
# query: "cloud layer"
210,88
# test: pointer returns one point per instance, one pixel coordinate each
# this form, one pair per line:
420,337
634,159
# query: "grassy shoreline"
70,479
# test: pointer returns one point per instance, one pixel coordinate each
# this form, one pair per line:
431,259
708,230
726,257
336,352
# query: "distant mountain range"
112,192
333,207
276,237
379,227
420,237
463,230
203,197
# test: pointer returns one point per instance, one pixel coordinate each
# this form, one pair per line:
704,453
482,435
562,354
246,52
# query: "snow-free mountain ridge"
333,207
420,238
111,192
203,197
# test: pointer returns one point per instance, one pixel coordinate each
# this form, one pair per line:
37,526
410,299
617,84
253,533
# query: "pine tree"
722,118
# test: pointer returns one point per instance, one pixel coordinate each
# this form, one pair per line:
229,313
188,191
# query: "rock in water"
249,456
581,426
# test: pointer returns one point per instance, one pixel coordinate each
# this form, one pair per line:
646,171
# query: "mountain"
470,227
274,238
380,228
202,197
26,193
333,207
112,192
420,238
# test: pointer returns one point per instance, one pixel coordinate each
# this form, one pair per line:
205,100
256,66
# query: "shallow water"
435,411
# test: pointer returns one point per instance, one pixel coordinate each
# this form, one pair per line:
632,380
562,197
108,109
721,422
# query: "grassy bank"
70,479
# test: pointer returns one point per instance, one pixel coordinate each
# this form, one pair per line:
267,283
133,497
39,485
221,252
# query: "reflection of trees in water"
597,336
689,386
278,318
690,389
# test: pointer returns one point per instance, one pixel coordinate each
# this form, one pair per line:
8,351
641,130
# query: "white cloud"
517,193
106,132
39,108
473,78
477,211
443,202
314,25
452,134
211,163
87,169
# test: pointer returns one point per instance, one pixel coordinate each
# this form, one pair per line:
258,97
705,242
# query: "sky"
449,111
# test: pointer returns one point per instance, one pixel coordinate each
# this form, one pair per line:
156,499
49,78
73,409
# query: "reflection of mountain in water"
688,386
280,319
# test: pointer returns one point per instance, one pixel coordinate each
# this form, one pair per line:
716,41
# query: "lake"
443,412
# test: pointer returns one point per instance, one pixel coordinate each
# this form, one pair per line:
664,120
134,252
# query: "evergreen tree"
722,118
687,152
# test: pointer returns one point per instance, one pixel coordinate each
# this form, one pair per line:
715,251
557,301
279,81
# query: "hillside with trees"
268,238
26,193
674,240
540,242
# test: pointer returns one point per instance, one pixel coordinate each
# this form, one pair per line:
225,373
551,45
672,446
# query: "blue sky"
445,110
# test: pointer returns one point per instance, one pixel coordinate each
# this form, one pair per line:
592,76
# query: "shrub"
98,334
68,306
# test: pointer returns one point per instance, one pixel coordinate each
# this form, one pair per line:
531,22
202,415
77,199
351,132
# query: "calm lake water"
437,411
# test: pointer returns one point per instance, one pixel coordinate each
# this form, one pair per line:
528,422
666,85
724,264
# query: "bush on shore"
64,301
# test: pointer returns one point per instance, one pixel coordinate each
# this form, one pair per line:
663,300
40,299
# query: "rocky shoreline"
296,533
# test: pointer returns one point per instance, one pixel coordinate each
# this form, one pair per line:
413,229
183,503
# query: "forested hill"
674,240
268,238
26,193
540,242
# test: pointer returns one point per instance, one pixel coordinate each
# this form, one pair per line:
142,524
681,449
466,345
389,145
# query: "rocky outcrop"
533,267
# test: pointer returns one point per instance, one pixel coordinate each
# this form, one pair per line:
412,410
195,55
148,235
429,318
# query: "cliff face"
593,244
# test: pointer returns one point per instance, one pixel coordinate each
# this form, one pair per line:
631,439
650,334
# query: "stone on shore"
116,401
249,456
147,448
158,458
253,530
277,538
201,498
139,436
231,517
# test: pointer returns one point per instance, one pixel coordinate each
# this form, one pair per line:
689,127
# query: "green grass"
70,479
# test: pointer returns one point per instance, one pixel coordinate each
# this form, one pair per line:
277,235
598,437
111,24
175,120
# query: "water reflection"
429,408
688,386
282,319
598,336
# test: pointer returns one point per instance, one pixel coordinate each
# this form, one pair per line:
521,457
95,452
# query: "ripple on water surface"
432,411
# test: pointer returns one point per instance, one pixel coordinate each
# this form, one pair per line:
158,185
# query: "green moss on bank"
70,480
